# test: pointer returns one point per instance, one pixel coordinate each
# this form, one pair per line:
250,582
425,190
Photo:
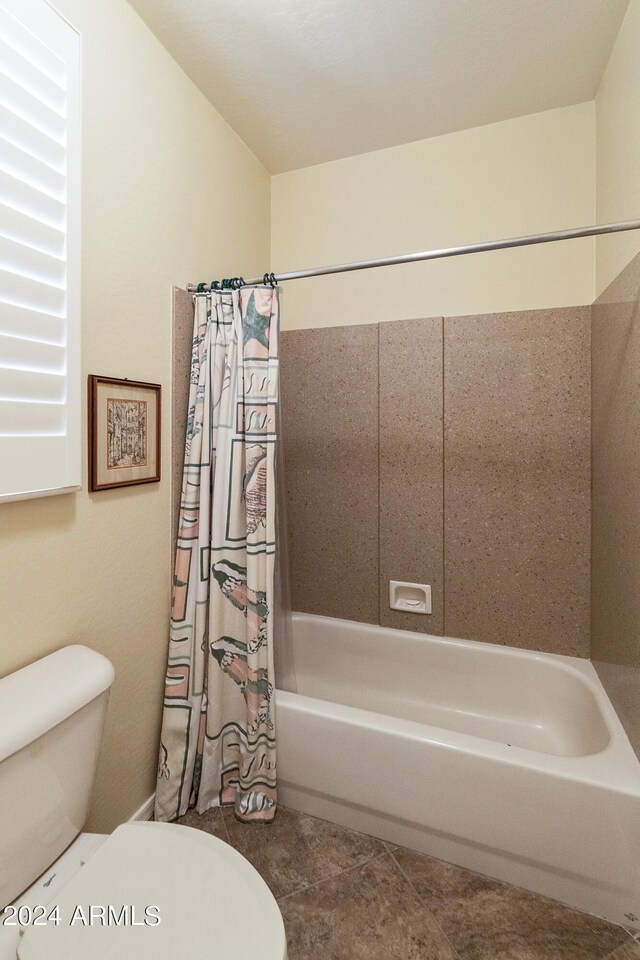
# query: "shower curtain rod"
427,255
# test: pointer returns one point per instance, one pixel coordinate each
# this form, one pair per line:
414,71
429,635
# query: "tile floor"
347,896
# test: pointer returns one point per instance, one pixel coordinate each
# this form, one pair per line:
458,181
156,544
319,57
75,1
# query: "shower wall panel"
615,608
488,500
330,409
517,478
410,414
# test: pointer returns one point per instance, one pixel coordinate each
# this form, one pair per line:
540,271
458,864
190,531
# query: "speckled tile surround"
347,896
615,602
329,383
517,478
411,448
622,683
493,510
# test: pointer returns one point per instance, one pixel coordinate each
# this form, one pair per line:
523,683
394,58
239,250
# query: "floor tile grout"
608,956
392,855
611,956
226,829
334,876
541,897
423,902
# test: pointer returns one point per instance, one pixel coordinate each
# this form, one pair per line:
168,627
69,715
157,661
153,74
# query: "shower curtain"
218,736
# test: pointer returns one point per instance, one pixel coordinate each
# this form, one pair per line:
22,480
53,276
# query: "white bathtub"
506,761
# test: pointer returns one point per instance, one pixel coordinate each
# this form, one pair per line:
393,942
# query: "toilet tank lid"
41,695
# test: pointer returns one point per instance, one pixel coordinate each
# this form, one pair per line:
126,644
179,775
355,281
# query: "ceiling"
306,81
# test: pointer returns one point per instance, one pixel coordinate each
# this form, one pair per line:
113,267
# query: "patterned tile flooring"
347,896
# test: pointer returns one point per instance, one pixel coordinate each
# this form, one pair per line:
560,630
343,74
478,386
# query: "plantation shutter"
39,251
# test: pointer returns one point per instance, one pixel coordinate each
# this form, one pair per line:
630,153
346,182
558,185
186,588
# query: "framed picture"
124,432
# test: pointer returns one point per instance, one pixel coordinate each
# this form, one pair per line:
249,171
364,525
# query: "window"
39,251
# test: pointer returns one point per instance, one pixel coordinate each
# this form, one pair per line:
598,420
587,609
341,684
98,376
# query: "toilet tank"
51,718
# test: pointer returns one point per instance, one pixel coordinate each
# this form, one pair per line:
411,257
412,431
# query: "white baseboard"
146,810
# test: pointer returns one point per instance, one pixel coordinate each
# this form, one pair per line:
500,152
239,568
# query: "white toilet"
149,890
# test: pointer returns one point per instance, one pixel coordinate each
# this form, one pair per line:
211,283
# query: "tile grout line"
334,876
538,896
425,905
388,852
226,829
612,955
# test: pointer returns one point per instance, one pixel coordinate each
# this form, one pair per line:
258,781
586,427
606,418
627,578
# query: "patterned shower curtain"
218,738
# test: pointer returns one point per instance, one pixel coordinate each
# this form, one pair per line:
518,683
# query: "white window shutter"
40,131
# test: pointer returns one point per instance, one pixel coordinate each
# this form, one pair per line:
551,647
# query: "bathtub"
508,762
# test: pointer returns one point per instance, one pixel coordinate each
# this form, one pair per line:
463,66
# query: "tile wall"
517,478
615,606
452,452
329,384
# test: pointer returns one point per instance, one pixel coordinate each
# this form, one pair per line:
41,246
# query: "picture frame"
124,427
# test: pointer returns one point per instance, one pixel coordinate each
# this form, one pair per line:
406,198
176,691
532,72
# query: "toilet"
148,890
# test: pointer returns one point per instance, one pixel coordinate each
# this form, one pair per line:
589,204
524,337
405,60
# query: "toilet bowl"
149,891
157,891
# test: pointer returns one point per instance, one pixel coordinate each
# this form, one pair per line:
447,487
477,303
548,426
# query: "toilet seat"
212,903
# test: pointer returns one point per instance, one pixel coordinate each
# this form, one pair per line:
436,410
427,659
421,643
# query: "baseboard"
145,812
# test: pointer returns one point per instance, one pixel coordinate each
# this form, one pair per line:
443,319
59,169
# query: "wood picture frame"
124,432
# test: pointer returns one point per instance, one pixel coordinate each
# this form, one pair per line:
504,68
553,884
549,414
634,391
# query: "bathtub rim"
616,766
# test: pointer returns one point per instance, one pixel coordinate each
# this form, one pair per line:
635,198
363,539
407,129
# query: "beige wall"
170,194
618,149
521,176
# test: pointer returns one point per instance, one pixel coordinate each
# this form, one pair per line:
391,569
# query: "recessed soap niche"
410,597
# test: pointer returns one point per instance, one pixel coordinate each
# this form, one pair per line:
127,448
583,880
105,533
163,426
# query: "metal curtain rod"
427,255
